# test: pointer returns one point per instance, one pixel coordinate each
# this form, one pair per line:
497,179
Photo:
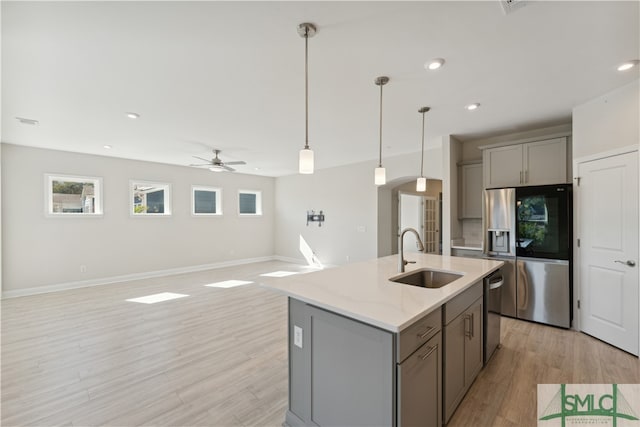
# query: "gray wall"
42,251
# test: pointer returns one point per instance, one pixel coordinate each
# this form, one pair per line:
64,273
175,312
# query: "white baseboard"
137,276
290,259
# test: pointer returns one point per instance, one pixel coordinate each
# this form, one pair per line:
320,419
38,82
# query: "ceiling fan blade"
201,164
228,168
200,158
240,162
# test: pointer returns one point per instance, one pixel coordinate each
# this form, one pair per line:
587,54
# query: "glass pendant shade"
380,177
421,184
305,165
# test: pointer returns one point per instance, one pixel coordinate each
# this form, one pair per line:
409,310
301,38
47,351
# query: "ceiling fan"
217,165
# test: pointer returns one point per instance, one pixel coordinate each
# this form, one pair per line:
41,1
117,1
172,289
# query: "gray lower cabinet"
343,372
420,386
462,344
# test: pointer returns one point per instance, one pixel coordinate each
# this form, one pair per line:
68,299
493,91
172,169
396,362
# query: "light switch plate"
297,336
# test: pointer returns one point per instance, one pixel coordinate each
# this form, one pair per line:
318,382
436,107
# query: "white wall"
603,125
607,122
40,251
349,199
451,226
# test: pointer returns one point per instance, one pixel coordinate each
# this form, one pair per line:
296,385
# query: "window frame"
167,198
217,190
49,178
258,194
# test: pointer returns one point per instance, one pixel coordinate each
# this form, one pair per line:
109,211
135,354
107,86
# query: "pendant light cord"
422,154
306,88
380,157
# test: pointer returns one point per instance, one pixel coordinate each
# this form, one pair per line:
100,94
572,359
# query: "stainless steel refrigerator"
530,228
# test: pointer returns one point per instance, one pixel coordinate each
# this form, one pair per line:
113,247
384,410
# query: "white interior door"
608,254
411,216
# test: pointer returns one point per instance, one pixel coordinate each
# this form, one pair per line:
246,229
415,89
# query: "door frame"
577,256
399,227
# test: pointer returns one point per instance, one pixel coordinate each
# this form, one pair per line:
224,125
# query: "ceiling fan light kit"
380,174
216,164
305,159
421,183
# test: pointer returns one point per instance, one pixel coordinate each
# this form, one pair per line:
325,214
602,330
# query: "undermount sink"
427,278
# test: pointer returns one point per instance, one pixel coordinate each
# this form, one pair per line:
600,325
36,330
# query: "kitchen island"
364,350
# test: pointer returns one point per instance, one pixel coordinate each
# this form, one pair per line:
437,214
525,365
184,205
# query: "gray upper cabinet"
532,163
470,191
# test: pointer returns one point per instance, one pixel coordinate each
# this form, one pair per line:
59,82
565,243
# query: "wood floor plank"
218,358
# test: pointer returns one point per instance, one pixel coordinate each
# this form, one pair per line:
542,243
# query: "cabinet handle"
526,176
471,331
430,350
467,326
426,333
520,177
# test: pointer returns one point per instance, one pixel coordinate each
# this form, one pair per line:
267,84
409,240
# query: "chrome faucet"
401,261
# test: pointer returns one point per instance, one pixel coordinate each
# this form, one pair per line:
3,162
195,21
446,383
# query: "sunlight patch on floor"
228,284
152,299
279,274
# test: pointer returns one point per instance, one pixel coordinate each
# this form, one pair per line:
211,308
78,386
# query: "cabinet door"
473,342
352,367
545,162
503,166
471,200
420,386
454,362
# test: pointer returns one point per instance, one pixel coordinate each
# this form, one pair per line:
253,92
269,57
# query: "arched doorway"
390,218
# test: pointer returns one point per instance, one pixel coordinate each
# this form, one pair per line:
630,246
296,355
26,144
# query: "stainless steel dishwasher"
492,306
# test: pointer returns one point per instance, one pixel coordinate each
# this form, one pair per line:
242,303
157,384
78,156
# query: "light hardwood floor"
219,358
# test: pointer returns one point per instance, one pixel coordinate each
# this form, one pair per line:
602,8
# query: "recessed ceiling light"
107,147
434,64
628,65
472,107
26,121
133,115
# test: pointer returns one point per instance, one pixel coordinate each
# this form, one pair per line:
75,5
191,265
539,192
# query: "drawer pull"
426,333
431,350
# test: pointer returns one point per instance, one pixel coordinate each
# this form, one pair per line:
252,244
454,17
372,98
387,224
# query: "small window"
150,198
249,202
73,195
206,201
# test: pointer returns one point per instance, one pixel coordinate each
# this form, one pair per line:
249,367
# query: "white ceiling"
230,75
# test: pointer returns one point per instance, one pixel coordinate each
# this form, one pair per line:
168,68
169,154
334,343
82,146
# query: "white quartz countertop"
362,290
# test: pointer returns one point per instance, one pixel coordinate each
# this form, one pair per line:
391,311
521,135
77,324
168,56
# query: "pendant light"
305,164
421,184
380,177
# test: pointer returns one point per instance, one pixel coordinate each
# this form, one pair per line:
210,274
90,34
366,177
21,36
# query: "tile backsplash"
472,230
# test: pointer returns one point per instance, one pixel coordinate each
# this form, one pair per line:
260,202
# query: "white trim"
605,154
210,189
48,195
527,140
258,194
165,186
291,260
127,277
577,255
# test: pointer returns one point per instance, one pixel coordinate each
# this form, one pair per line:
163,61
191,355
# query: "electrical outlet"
83,269
297,336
